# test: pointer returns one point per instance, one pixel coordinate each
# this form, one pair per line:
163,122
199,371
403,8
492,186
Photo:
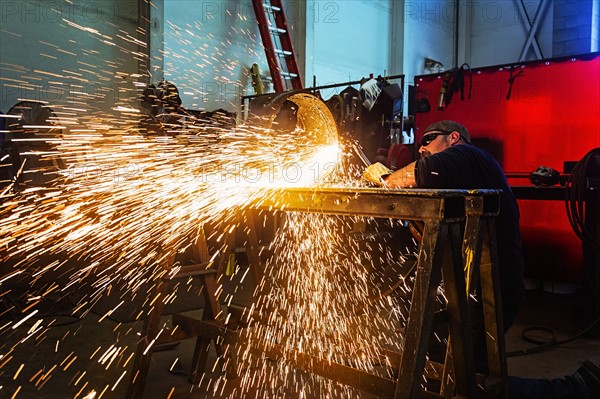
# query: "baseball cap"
449,126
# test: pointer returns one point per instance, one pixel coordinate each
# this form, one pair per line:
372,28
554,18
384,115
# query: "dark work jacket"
464,166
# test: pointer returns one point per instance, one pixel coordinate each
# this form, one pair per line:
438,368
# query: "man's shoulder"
465,150
457,151
464,147
461,155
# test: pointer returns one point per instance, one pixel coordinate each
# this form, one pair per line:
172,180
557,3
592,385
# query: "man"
449,161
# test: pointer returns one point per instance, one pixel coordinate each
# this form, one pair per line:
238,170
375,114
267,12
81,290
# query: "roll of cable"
585,174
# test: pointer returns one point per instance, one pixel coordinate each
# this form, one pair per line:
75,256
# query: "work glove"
376,173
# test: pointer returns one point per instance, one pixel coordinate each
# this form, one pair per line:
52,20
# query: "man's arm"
401,178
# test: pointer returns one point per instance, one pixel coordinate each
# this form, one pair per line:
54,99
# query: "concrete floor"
66,361
560,313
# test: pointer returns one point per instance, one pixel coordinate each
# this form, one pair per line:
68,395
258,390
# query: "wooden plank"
239,315
432,369
492,311
192,327
459,322
418,329
143,353
193,270
252,249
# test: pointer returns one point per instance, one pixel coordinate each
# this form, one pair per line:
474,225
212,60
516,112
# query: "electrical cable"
546,345
14,311
576,188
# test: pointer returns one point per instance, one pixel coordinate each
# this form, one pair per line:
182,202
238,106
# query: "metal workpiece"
482,203
406,204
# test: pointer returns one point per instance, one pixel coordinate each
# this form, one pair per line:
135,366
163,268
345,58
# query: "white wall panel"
67,53
208,48
351,40
498,32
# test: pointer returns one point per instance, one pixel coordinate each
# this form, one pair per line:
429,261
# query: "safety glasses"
430,136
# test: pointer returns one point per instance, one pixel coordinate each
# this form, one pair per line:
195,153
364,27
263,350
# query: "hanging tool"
444,90
511,80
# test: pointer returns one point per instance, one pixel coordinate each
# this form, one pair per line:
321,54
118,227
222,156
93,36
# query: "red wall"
553,115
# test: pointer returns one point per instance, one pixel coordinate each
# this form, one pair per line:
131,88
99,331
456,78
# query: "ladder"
278,45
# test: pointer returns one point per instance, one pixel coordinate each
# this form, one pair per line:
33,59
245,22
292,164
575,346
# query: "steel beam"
406,204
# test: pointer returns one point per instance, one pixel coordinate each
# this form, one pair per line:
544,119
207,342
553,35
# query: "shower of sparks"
134,198
97,206
321,299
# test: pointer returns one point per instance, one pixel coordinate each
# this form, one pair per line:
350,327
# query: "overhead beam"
539,17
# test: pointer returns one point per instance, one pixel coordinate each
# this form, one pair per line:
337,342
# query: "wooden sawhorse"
444,254
209,270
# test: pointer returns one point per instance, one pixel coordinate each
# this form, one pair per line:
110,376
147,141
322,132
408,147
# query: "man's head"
443,134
